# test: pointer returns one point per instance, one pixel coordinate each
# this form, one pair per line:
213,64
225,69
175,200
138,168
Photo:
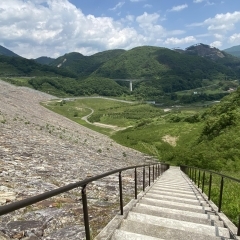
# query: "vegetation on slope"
235,51
16,66
6,52
44,60
82,65
206,138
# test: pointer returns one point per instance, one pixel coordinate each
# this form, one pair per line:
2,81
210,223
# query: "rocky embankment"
41,151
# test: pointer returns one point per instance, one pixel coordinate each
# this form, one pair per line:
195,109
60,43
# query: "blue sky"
54,27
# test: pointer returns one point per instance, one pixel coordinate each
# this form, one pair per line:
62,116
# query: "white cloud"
198,1
218,36
137,0
179,41
209,3
130,18
216,44
178,8
119,5
235,38
221,22
57,27
147,6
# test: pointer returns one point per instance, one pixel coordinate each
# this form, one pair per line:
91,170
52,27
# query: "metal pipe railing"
189,170
29,201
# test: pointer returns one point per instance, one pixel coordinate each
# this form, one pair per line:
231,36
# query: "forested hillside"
6,52
163,75
17,66
216,143
235,51
82,65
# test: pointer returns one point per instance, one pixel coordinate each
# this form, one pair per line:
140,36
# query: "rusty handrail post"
199,175
149,175
85,212
238,232
153,173
195,176
210,187
135,173
143,178
220,195
203,180
120,192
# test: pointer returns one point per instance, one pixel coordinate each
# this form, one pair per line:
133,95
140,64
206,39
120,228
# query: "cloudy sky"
34,28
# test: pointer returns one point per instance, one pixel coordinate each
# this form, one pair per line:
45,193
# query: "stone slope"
41,150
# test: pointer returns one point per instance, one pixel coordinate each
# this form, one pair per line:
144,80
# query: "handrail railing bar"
188,171
149,175
135,173
220,195
29,201
120,193
153,172
143,179
213,172
85,212
238,232
195,176
199,175
210,187
203,181
26,202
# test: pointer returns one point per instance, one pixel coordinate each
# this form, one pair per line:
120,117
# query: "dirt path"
113,127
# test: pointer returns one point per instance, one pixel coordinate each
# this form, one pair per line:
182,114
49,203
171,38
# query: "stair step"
122,235
180,225
178,215
175,205
188,196
163,232
174,199
177,211
176,190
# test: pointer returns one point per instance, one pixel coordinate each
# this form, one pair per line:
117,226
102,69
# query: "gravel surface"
40,151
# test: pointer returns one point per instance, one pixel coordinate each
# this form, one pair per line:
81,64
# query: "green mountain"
235,51
44,60
17,66
85,65
163,70
6,52
160,73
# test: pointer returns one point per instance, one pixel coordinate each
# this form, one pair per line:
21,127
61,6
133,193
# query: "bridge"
171,205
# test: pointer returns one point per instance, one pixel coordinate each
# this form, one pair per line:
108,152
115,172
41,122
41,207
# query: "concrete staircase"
171,209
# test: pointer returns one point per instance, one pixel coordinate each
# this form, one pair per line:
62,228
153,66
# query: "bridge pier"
130,85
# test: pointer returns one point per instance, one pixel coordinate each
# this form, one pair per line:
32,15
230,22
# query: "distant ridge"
235,51
44,60
6,52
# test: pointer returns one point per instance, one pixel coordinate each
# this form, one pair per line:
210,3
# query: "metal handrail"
192,173
160,168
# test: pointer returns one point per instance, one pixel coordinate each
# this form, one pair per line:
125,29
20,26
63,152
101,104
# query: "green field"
177,136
